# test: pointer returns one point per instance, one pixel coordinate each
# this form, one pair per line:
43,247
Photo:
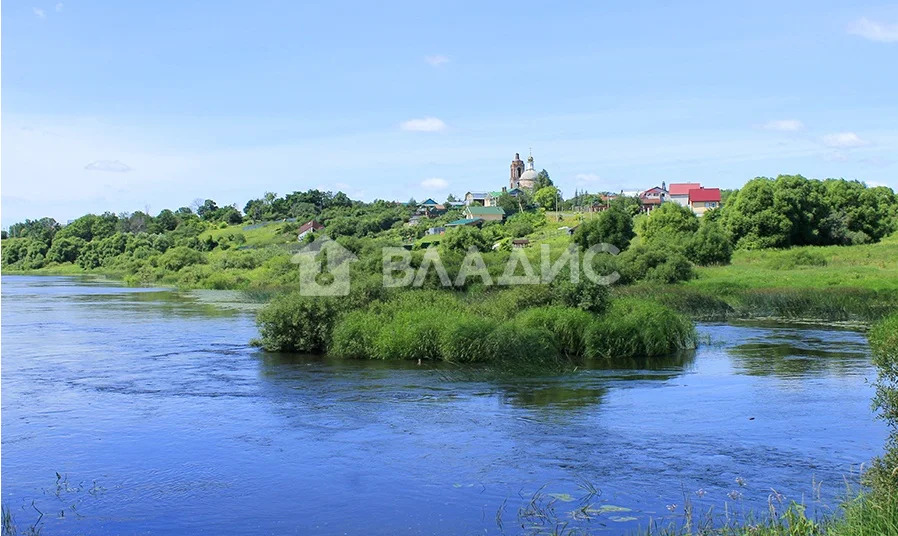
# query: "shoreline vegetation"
787,248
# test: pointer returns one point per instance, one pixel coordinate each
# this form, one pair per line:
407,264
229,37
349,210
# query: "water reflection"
791,353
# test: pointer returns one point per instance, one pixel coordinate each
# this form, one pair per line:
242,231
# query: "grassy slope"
872,267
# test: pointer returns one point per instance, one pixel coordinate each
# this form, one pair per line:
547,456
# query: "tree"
65,249
613,226
710,245
542,181
546,197
451,199
670,220
463,238
166,220
207,210
750,217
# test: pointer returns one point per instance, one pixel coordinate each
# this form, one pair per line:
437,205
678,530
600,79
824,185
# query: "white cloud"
425,124
59,6
784,125
882,32
844,140
39,13
108,165
435,183
436,60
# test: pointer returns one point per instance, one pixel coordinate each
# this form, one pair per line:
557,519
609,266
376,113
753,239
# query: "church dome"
528,178
529,175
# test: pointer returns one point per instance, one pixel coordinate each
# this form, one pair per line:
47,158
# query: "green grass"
870,267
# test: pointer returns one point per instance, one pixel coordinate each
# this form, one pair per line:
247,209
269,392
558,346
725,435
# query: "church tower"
517,169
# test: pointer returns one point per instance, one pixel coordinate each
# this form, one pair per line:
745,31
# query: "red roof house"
309,227
703,199
682,188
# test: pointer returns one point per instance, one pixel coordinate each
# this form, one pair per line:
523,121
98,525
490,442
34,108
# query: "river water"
137,411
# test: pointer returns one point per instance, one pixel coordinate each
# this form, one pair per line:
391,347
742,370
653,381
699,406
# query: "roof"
704,195
682,188
463,221
476,195
495,194
650,200
520,241
651,190
486,211
310,225
428,201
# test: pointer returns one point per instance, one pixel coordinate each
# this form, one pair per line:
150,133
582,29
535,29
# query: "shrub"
883,475
710,245
296,323
179,257
567,326
659,263
613,226
585,294
353,335
410,334
639,328
464,238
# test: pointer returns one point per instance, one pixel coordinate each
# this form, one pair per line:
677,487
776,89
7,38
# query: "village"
524,182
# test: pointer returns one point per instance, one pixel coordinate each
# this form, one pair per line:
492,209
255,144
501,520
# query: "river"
144,411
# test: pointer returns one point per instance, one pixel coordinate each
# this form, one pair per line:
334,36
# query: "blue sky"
126,105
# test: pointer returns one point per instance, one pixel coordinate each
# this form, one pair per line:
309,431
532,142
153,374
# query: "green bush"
659,263
410,334
883,475
634,327
296,323
710,245
567,326
179,257
353,336
613,226
585,294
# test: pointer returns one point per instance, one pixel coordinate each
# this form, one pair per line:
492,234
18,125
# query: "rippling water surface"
158,417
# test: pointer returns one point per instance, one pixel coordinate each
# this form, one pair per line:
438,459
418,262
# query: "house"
485,213
658,192
702,200
414,220
475,198
436,230
309,227
520,242
428,203
465,221
679,192
653,197
455,204
648,204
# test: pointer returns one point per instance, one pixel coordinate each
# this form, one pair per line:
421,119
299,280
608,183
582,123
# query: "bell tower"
517,169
